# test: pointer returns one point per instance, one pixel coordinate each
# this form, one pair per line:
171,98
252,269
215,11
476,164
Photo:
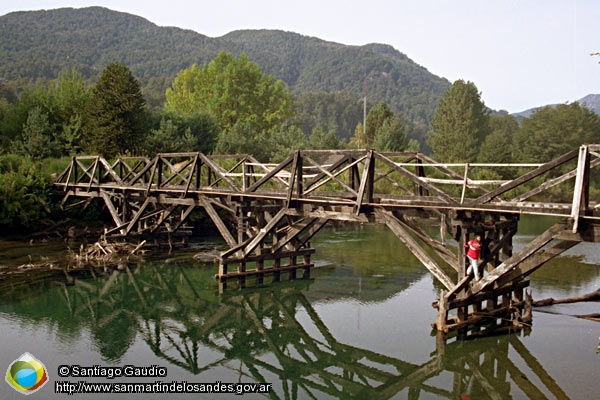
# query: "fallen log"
594,296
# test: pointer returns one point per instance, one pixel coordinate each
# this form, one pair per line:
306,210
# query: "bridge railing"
355,178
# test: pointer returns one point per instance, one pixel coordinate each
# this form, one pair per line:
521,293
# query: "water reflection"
270,334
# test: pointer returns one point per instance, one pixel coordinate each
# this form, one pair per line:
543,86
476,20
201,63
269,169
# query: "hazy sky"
519,53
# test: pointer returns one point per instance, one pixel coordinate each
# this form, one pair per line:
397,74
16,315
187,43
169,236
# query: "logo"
26,374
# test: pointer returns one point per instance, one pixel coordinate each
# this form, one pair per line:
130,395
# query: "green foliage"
384,131
182,133
321,140
115,122
497,146
233,90
40,44
272,147
36,140
284,141
391,136
243,139
339,112
460,124
553,131
24,193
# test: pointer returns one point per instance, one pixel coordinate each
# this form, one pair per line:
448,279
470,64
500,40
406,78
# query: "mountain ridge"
591,101
39,44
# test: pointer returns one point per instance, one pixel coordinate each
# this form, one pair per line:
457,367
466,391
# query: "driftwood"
594,296
107,253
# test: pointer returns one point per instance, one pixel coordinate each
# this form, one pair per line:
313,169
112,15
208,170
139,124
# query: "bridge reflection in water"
275,335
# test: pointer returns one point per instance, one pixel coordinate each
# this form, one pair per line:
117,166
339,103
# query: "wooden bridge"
267,213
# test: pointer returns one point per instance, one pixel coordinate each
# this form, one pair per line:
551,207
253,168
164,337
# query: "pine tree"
115,122
460,124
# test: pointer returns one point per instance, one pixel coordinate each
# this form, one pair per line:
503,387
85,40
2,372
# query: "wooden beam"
527,177
271,174
366,183
396,226
330,175
111,208
580,196
518,258
137,216
534,262
553,182
216,219
415,179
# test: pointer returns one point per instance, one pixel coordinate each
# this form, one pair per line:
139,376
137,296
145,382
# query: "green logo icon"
26,374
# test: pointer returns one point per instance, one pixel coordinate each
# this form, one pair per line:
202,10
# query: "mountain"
39,44
591,101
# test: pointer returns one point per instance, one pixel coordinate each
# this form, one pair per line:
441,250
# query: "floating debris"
108,253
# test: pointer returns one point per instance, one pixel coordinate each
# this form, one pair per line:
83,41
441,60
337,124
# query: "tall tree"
235,91
460,124
115,115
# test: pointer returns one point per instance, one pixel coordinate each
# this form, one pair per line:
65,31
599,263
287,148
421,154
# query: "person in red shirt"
473,250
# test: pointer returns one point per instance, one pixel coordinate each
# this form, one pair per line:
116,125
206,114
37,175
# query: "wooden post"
442,314
581,190
420,172
306,273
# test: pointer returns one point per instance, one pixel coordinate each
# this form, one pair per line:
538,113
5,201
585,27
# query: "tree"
497,146
340,111
321,140
460,124
36,140
115,120
234,91
383,131
552,131
182,133
69,96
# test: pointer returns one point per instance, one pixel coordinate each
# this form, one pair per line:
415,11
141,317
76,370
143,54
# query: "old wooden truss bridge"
268,213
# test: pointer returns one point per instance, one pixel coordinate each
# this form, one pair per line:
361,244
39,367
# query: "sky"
520,54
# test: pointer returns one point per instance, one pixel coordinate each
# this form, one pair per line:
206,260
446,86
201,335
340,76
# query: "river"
358,328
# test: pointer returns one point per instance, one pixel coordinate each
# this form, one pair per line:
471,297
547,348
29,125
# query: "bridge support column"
270,244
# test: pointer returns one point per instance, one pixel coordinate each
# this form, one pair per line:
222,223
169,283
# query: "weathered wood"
527,251
396,226
214,216
594,296
432,189
366,183
531,264
580,198
527,177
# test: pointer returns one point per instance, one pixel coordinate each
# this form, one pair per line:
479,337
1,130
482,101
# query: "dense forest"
88,82
41,44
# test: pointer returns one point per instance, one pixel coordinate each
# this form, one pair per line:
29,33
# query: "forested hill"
39,44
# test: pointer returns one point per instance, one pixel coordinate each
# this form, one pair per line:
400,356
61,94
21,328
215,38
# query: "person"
473,250
490,226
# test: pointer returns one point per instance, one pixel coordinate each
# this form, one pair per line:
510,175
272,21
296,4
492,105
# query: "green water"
358,328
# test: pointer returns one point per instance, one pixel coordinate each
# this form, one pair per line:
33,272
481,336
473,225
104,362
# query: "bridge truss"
268,213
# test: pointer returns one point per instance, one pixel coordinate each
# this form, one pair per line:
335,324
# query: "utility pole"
365,112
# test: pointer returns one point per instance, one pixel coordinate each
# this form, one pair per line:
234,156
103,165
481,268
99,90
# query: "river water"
358,328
